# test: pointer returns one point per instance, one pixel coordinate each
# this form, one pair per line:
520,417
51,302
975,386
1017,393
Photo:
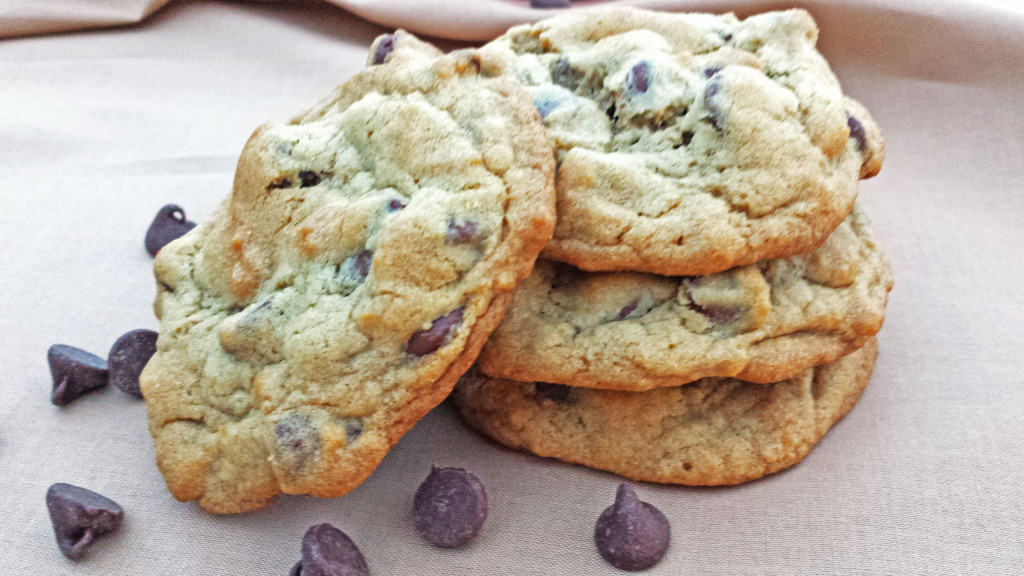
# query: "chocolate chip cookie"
714,432
689,143
367,250
762,322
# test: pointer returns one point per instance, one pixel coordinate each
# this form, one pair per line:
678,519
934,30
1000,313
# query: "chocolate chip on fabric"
169,224
427,341
557,393
327,551
549,3
450,507
857,133
639,77
79,515
128,356
74,372
630,534
385,46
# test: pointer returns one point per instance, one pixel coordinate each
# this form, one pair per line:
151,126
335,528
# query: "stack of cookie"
707,306
702,171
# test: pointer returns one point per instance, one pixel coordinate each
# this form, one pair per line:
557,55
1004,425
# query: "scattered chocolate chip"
716,314
427,341
549,3
395,204
450,507
563,74
557,393
857,133
327,551
281,182
74,373
715,113
353,430
308,178
169,224
639,77
298,440
630,534
628,309
385,45
461,233
79,515
127,358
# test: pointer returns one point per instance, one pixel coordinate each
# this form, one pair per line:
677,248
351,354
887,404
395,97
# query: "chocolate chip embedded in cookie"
713,432
689,143
365,254
632,331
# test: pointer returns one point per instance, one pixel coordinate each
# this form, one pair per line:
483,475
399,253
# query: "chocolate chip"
281,182
716,314
169,224
715,112
427,341
395,204
628,309
461,233
857,133
354,270
298,440
327,551
308,178
385,46
450,507
546,100
563,74
353,430
687,138
79,515
557,393
128,356
711,71
639,77
74,373
630,534
549,3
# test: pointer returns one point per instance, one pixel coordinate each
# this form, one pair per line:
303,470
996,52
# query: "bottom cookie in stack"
716,431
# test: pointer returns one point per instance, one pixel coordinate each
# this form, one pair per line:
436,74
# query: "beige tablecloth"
925,476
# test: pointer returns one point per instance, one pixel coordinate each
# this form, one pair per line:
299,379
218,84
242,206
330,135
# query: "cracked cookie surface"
689,143
713,432
633,331
367,250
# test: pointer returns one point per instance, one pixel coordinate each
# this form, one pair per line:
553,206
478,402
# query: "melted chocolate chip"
687,138
385,46
308,178
327,551
79,515
395,204
639,78
280,183
462,233
169,224
74,372
628,309
427,341
557,393
713,106
298,440
716,314
857,133
128,356
450,507
563,74
711,71
362,262
630,534
549,3
354,270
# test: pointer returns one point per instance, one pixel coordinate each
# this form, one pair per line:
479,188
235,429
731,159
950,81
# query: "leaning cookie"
714,432
632,331
367,250
689,143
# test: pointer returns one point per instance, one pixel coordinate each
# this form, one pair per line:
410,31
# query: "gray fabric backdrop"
925,476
